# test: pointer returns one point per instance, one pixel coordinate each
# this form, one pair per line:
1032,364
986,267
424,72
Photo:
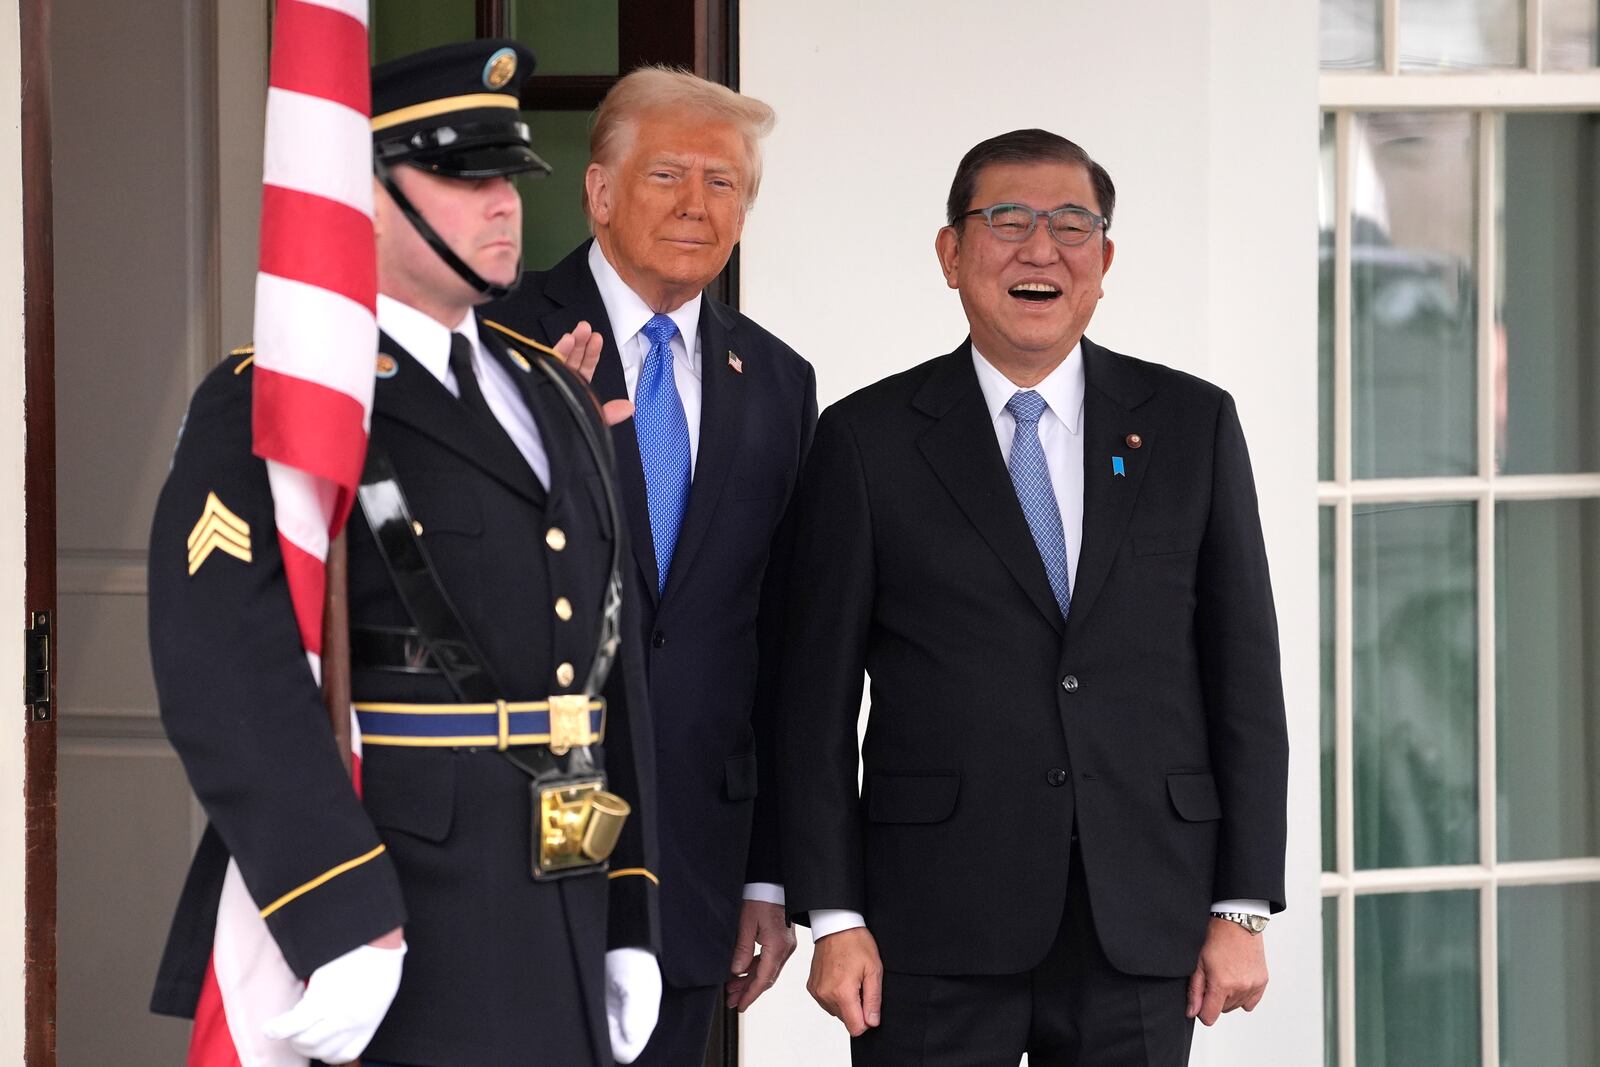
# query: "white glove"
342,1006
633,1000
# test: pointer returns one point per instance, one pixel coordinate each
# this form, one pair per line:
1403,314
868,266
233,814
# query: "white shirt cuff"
825,921
1249,907
766,892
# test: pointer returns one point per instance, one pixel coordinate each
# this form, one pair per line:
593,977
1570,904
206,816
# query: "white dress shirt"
628,314
1061,437
428,342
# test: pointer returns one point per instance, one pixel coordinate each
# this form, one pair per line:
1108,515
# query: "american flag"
316,336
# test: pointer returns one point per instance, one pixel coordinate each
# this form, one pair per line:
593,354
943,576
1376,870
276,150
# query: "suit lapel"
412,395
549,413
1114,388
961,448
722,411
572,289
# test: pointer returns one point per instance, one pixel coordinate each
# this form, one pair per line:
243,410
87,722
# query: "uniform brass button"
563,609
1134,440
1070,683
564,675
416,527
1056,776
556,538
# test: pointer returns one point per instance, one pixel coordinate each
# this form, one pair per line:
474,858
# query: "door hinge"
36,685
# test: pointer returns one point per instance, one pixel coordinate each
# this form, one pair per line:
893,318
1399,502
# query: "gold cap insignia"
500,68
218,530
387,367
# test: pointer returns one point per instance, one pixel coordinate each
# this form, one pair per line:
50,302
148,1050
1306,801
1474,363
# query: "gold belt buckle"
569,723
579,823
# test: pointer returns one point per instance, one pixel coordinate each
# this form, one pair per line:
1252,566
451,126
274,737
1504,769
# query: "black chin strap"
430,235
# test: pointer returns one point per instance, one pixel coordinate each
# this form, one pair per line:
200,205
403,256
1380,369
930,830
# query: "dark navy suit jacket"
712,637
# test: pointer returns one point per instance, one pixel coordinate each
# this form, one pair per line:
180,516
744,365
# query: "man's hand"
580,349
344,1002
760,924
633,1000
1232,972
847,979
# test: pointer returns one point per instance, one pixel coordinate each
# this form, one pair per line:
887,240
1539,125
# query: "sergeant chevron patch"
218,530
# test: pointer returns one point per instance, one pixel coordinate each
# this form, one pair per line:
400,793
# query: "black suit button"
1070,683
1056,776
658,640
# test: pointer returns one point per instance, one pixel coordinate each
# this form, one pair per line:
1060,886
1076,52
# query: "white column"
11,537
1205,114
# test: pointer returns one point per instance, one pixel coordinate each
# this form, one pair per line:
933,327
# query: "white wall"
11,536
1205,114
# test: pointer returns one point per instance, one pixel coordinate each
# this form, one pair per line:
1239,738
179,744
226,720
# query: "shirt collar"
422,336
628,312
1062,388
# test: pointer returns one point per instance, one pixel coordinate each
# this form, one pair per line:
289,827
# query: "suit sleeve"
831,589
765,862
239,701
635,915
1237,633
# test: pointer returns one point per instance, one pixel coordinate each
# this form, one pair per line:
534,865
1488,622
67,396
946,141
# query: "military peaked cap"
455,110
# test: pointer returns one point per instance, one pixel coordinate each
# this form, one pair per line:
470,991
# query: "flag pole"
336,646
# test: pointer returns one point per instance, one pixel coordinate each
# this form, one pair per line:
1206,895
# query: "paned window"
1459,491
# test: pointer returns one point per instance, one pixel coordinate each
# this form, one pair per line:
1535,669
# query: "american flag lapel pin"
735,362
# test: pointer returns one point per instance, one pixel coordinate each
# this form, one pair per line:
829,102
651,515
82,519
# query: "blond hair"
657,88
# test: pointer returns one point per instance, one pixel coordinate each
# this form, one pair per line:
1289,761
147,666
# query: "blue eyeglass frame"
1099,221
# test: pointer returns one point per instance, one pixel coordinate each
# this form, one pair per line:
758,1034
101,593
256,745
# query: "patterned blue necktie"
1031,477
663,432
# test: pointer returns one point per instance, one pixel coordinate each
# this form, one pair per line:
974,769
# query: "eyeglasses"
1071,226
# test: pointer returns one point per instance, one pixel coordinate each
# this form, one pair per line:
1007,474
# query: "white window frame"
1487,95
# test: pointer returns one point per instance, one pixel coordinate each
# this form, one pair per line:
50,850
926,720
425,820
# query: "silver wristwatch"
1254,923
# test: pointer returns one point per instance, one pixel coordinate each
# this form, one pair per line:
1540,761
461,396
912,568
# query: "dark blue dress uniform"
501,968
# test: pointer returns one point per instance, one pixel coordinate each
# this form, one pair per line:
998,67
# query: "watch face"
1258,923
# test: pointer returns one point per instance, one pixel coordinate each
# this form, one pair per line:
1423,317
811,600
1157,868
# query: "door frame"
39,495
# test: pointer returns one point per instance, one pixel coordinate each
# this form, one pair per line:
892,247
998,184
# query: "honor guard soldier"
490,869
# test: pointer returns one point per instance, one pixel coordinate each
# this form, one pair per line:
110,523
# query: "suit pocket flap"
739,776
912,798
410,791
1161,545
1194,794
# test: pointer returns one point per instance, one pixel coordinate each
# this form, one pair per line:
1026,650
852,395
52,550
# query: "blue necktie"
663,432
1031,477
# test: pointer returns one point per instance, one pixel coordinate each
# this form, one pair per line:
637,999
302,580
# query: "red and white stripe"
316,336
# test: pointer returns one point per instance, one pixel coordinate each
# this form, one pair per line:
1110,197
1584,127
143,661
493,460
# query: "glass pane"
1325,230
1571,34
553,222
1547,678
1417,979
1414,305
1330,981
1329,767
1549,975
568,38
1446,35
399,27
1352,34
1550,274
1416,738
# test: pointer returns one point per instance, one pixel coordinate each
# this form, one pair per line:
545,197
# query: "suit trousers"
683,1028
1073,1010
